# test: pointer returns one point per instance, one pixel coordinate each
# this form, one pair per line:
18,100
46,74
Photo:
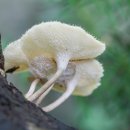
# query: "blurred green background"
108,108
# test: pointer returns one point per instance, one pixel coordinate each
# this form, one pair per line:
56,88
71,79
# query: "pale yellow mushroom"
57,41
60,42
85,79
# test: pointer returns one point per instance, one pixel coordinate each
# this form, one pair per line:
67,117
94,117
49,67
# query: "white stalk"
32,88
39,100
39,92
70,88
62,62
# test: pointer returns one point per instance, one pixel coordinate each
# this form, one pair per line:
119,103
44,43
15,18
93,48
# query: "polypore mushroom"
57,41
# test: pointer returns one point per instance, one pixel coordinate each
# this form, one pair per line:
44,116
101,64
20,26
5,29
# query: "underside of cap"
89,74
79,91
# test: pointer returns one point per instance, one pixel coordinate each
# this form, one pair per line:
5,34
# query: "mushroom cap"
53,38
90,73
49,40
14,57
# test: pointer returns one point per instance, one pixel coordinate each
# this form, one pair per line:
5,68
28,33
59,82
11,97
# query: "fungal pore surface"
62,54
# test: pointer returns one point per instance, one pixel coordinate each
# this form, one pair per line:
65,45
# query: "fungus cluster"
61,53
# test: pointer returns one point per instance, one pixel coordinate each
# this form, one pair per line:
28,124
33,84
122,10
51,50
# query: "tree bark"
16,113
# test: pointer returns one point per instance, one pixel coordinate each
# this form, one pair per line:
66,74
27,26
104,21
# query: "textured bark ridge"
16,113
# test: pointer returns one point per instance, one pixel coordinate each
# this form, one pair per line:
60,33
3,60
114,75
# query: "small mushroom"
79,78
60,42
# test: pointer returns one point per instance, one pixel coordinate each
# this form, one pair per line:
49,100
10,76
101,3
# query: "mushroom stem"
62,62
32,88
39,100
39,92
70,88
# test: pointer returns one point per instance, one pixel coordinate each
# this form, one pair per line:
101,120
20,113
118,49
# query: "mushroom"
59,42
79,78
